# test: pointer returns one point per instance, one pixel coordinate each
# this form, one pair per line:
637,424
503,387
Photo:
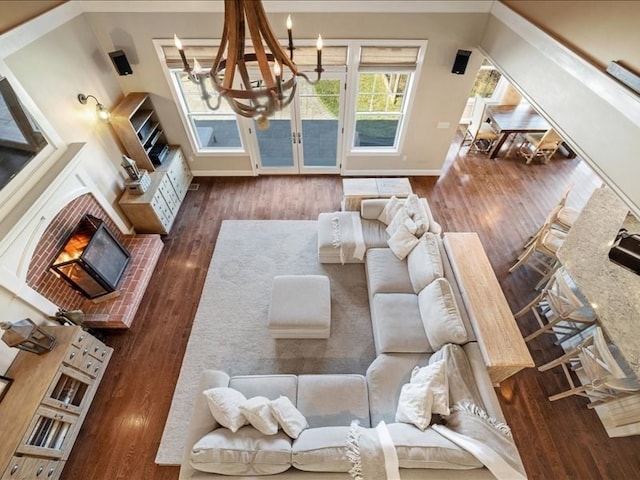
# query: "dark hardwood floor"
503,200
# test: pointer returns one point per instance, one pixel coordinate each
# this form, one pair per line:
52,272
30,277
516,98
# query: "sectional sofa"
418,320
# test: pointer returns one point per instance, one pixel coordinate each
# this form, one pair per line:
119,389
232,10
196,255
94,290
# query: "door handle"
293,137
299,137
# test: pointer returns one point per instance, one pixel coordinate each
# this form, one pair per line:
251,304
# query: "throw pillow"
440,315
224,404
402,242
414,405
417,211
424,262
399,219
288,416
258,412
389,211
435,375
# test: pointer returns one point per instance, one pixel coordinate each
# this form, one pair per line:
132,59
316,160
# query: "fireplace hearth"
92,259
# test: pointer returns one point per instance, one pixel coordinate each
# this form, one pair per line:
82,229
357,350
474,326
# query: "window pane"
485,83
378,130
213,128
381,92
216,132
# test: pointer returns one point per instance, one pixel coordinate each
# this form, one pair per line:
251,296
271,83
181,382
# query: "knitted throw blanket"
486,438
372,453
347,235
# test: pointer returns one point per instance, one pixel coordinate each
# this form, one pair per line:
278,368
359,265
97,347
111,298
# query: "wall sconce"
27,336
101,111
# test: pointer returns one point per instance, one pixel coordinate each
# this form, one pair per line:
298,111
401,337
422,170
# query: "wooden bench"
501,343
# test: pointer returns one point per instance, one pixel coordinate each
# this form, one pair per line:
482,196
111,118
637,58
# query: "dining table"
514,119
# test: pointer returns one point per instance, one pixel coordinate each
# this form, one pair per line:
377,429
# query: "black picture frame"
5,383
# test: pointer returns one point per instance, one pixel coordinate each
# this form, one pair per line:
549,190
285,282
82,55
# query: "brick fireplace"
117,312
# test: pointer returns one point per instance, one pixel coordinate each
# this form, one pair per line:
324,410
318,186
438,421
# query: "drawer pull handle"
73,354
86,350
80,338
40,470
51,470
14,469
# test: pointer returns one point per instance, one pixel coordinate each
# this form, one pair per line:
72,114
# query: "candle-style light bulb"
290,35
178,44
276,69
197,68
319,47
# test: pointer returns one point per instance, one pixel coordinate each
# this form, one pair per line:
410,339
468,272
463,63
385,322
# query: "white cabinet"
155,210
43,411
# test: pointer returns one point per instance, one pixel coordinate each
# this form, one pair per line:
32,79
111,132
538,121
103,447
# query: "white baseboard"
223,173
391,173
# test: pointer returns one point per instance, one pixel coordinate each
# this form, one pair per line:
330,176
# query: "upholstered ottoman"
300,307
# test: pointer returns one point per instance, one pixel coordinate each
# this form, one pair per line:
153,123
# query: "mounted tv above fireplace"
92,259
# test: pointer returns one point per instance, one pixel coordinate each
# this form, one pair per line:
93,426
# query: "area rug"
230,327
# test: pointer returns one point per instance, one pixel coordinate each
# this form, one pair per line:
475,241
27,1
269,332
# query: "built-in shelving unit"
137,126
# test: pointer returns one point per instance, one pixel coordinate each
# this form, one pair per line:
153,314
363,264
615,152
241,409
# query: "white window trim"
351,97
353,52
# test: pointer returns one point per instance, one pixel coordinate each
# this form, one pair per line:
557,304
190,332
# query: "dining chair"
602,378
480,135
540,145
559,310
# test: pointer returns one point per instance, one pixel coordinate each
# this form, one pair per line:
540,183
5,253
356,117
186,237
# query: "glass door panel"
277,142
319,107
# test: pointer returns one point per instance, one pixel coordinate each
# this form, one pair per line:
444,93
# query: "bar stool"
559,310
602,378
541,253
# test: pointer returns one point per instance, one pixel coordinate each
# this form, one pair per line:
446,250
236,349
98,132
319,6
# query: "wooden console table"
501,343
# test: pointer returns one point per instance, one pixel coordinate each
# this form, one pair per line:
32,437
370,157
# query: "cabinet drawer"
31,468
82,339
99,350
84,362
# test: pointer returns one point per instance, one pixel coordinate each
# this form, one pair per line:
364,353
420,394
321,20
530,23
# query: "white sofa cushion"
399,219
440,314
288,416
386,273
390,209
424,262
333,399
426,393
397,324
416,210
435,375
428,449
414,405
224,404
385,377
402,241
245,452
257,411
322,449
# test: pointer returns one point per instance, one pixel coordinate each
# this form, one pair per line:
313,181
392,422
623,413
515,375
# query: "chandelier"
275,86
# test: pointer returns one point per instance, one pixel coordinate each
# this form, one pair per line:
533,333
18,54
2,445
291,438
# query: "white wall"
598,117
441,95
52,59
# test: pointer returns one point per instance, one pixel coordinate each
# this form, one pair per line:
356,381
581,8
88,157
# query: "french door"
306,136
